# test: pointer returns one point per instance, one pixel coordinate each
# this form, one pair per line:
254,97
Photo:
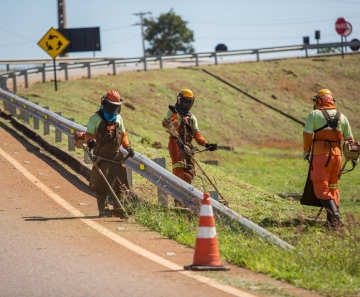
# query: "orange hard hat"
113,97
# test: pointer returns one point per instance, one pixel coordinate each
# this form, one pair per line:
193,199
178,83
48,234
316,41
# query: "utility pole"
61,19
141,14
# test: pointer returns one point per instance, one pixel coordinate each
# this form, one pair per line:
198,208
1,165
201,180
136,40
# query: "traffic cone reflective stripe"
206,232
206,256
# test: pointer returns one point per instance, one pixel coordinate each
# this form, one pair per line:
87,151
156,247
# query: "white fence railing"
196,59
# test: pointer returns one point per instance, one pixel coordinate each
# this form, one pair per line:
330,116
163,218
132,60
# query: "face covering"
109,111
325,102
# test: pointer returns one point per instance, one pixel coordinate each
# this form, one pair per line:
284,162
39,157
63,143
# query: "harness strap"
328,119
107,123
332,123
330,154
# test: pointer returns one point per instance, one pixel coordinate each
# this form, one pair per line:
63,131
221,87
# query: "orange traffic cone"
206,255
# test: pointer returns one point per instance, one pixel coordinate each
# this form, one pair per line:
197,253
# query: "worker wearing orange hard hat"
104,135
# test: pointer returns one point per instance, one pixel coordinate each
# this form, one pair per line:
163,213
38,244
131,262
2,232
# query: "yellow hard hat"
187,93
323,92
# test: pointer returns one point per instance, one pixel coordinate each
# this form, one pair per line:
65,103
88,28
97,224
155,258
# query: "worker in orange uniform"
187,128
104,134
324,130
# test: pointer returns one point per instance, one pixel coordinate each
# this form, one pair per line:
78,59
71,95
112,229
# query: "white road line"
118,239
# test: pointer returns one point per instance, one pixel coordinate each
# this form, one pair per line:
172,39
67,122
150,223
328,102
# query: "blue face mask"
109,117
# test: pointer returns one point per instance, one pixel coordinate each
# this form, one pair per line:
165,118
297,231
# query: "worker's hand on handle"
130,151
211,146
306,156
91,143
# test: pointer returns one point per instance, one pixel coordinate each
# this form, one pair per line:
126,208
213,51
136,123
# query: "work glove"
131,151
91,143
306,156
211,146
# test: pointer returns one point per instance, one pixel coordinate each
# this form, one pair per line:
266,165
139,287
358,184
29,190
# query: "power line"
269,22
129,38
15,34
116,28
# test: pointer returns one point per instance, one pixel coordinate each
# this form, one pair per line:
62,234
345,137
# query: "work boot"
105,213
333,216
102,202
120,213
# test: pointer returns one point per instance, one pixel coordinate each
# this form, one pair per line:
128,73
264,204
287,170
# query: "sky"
239,24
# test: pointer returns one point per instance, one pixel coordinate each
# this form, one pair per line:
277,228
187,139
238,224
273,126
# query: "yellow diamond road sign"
53,43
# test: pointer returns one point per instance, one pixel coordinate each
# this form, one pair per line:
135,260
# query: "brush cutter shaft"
96,161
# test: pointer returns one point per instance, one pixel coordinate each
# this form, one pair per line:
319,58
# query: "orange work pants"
176,161
325,179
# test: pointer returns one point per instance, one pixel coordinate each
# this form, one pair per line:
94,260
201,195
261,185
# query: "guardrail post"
306,51
11,108
160,62
114,66
6,105
196,60
14,83
129,177
215,56
3,83
257,55
24,115
71,145
36,120
214,195
58,132
66,71
88,69
46,125
43,73
162,196
26,78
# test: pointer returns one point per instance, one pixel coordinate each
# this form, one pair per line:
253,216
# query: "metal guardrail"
140,164
66,64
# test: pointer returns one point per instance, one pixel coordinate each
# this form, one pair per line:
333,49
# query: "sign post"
344,29
53,42
347,32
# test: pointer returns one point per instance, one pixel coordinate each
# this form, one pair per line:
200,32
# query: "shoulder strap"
332,123
101,115
326,114
337,116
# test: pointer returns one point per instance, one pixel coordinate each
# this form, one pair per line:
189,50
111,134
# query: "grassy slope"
267,149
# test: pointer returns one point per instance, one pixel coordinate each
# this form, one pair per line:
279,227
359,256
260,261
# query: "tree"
168,35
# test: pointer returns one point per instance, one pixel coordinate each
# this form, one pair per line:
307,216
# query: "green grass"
266,160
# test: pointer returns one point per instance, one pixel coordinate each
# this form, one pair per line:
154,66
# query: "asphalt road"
53,243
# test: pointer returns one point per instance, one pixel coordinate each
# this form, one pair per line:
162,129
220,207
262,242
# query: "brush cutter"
96,160
168,125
